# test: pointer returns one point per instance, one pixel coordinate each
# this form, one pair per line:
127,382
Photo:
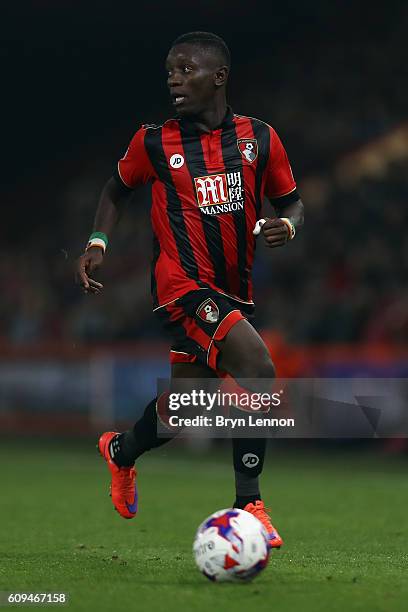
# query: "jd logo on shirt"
176,160
250,460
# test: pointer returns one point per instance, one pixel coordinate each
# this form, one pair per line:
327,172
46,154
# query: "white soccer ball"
231,545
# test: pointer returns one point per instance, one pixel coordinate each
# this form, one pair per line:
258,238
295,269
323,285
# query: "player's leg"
120,450
143,436
243,354
217,333
248,453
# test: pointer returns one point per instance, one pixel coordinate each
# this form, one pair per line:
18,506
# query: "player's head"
197,65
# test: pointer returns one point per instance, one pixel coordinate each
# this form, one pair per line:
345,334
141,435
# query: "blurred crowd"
345,279
341,280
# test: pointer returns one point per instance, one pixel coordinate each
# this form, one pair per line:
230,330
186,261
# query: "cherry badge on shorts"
208,311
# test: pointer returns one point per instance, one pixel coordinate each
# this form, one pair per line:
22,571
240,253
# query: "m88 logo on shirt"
220,193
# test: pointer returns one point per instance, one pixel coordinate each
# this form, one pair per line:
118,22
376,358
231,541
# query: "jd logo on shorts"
250,460
176,161
208,311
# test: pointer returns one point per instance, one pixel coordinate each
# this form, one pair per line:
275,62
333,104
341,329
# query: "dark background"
82,75
78,79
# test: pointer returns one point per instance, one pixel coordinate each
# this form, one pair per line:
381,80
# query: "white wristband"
258,227
288,223
291,227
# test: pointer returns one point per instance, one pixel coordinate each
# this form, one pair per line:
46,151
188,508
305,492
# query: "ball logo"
176,160
208,311
250,460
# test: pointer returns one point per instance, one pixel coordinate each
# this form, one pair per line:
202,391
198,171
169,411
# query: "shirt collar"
189,127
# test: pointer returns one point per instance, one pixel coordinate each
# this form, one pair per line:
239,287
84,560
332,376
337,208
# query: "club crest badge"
248,147
208,311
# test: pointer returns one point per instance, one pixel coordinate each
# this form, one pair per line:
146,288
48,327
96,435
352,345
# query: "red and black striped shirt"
207,192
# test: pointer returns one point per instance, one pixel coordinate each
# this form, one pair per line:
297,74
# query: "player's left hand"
275,232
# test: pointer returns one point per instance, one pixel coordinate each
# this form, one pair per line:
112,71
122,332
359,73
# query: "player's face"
193,78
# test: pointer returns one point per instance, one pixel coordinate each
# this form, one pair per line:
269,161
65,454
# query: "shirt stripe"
230,152
196,164
261,133
154,147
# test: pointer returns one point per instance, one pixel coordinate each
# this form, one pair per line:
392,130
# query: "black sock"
246,486
117,454
141,438
241,502
248,456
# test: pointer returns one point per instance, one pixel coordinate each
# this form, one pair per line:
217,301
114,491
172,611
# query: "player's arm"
133,169
111,203
280,188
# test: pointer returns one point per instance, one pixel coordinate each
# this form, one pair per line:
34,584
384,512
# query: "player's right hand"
85,265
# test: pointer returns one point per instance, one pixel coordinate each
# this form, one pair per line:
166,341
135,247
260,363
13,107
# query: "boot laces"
261,514
125,479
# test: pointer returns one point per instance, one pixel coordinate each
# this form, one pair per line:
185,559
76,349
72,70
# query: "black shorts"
196,320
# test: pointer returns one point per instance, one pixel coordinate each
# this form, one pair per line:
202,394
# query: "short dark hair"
207,41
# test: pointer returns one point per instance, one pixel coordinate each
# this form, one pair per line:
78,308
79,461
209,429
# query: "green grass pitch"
343,517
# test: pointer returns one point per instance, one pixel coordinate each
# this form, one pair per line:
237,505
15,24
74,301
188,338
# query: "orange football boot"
123,484
258,509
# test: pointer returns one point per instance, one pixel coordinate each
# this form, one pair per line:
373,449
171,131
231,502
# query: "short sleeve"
279,178
135,167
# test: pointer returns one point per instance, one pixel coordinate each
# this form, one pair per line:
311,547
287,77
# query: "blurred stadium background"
80,78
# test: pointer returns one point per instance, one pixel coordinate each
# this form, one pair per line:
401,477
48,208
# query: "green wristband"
99,235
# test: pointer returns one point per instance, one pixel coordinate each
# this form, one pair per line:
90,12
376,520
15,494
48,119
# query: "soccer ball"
231,545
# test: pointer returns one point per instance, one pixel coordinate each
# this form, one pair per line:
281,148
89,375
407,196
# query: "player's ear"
221,76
